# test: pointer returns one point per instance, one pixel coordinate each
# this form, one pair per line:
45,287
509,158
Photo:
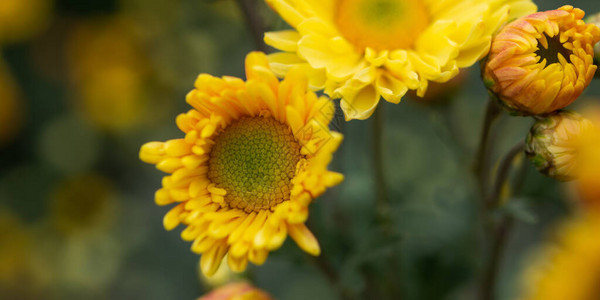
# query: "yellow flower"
81,203
542,62
19,20
254,156
588,172
109,70
569,267
553,144
595,19
361,50
236,291
16,243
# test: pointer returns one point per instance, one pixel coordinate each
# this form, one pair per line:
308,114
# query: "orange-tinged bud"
237,291
553,144
541,63
595,19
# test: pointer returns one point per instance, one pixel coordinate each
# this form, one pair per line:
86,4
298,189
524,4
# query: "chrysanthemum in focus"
254,156
542,62
236,291
554,143
361,50
568,268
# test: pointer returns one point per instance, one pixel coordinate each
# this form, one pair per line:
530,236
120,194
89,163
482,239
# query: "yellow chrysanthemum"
361,50
109,69
568,268
553,144
254,156
542,62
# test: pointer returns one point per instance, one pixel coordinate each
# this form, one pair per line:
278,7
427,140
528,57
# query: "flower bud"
236,290
595,19
553,144
541,63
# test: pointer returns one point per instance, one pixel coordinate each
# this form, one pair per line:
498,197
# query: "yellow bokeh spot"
254,160
382,24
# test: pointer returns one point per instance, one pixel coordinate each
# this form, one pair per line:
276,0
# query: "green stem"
501,231
381,200
481,161
503,171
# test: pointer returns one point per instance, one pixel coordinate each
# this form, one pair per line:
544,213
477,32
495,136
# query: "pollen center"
254,160
381,24
551,49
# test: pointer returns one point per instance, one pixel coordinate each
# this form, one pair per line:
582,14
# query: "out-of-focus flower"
20,20
81,203
361,50
254,156
109,71
542,62
15,249
595,19
222,276
553,144
11,114
569,267
237,291
588,172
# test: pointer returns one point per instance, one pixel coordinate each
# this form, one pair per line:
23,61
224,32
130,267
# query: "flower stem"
381,200
501,231
492,113
257,28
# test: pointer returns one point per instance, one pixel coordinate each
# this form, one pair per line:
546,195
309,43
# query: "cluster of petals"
456,35
215,228
529,83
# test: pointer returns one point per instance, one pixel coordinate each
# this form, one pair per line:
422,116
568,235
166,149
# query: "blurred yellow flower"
15,249
569,266
254,156
11,106
222,276
542,62
588,172
236,291
553,144
361,50
109,70
81,203
20,19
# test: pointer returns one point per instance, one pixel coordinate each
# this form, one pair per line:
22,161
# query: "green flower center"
254,160
554,49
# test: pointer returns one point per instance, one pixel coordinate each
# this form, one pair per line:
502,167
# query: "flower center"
254,160
381,24
550,48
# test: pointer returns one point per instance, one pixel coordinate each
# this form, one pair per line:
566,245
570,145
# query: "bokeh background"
83,84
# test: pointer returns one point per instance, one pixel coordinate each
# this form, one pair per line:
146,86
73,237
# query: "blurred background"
83,84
